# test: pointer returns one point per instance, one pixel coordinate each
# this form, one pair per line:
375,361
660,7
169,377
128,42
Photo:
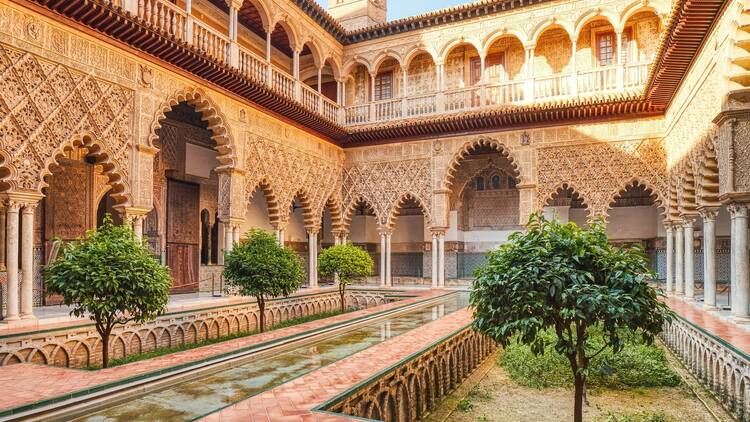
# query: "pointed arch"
466,149
396,207
116,176
272,200
352,206
217,123
654,194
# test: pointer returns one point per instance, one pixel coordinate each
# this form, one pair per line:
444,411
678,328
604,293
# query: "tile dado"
80,346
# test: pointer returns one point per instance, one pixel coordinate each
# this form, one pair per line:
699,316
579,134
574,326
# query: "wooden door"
183,235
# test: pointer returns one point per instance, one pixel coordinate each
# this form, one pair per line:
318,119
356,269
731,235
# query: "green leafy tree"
110,277
567,279
258,266
347,261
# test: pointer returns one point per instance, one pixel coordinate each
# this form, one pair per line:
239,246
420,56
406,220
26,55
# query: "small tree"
348,262
258,266
110,277
566,278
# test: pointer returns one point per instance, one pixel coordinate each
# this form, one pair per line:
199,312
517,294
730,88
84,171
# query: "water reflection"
196,398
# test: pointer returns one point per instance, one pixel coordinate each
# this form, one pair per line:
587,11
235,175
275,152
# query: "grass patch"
635,417
637,365
181,348
465,405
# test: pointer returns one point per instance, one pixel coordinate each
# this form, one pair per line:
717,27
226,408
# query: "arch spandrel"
68,108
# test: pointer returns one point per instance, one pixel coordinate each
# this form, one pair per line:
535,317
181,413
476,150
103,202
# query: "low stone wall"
724,370
412,388
80,346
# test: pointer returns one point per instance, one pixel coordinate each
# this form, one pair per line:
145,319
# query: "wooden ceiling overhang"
685,33
507,118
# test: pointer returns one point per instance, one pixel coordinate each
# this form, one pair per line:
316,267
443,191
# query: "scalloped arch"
100,151
657,197
272,200
217,123
465,149
563,187
400,202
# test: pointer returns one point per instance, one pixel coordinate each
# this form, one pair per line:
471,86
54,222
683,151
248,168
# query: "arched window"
496,182
511,182
480,183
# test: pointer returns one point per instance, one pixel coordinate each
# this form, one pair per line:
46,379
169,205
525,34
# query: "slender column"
441,260
440,96
620,74
282,237
388,275
372,97
138,228
434,260
529,86
188,20
269,74
228,236
709,257
382,258
740,263
689,274
482,82
670,256
574,71
236,233
2,238
234,49
220,242
679,254
27,263
312,279
320,79
404,92
295,74
12,260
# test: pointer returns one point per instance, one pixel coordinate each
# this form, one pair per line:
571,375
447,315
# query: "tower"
358,14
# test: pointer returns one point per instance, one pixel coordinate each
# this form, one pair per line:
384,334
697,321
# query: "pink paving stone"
324,384
32,383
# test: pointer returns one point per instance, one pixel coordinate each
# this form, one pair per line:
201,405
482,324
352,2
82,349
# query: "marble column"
709,257
689,261
670,256
388,271
2,238
740,261
434,260
679,255
138,228
382,258
11,260
27,262
441,260
312,276
228,237
235,234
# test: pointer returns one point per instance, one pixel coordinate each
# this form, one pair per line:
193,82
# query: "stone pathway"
295,401
33,383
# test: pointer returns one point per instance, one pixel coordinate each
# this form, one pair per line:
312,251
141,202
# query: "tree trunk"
578,405
105,349
262,308
342,292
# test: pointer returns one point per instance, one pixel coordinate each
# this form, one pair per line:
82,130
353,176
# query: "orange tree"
110,277
348,262
567,279
258,266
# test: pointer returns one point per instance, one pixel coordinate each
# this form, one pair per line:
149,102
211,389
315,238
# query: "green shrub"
637,365
634,417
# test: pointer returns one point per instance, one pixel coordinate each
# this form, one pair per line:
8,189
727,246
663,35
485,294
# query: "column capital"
669,225
439,231
737,210
708,213
23,199
312,231
687,220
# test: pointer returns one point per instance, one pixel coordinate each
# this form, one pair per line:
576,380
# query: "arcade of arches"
89,129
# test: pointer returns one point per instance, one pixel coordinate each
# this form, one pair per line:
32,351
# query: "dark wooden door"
183,235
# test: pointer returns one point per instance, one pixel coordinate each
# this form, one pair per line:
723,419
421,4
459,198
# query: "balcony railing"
175,21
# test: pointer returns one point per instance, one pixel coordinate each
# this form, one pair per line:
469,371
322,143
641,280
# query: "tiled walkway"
32,383
294,401
714,324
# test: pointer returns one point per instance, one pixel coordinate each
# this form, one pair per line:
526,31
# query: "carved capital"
737,210
709,213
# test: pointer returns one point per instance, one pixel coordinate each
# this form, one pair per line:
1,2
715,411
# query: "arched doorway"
408,243
186,196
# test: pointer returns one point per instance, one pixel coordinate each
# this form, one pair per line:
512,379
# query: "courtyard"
311,210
